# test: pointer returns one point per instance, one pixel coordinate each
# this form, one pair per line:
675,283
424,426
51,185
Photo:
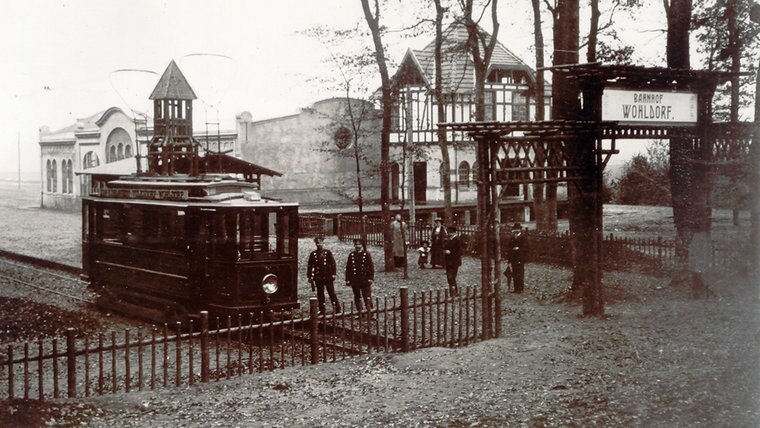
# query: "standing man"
398,230
516,256
453,259
438,241
360,273
321,271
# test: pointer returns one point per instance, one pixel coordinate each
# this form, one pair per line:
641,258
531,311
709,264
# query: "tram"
186,235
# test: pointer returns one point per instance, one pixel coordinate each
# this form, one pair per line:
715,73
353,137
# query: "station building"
508,93
314,148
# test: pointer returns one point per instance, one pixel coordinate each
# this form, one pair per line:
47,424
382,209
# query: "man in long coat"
398,231
360,274
517,256
437,242
453,260
321,272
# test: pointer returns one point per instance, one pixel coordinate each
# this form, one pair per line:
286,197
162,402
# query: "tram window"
283,234
110,225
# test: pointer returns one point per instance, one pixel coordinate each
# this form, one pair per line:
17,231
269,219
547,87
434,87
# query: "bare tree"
440,12
372,16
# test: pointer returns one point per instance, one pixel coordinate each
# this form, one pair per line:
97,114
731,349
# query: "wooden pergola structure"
577,151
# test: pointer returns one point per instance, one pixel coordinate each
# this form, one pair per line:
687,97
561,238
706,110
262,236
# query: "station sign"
632,106
151,194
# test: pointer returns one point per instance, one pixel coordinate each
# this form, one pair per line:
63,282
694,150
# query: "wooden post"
71,363
404,319
338,229
178,352
313,323
127,368
10,372
204,346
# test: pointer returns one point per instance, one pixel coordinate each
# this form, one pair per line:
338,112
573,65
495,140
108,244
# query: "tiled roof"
173,85
457,67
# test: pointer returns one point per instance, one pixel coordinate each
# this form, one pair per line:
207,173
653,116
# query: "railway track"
42,280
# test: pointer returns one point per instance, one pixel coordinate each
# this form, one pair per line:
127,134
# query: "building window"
490,105
54,174
395,181
128,151
49,175
120,152
342,137
70,177
90,160
519,107
111,154
464,175
64,177
474,171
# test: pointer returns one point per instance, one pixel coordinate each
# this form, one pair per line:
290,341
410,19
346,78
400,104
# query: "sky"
60,58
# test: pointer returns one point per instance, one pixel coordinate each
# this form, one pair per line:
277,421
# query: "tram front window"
263,235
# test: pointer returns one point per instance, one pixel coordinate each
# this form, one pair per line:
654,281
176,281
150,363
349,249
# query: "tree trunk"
540,205
441,110
373,21
682,172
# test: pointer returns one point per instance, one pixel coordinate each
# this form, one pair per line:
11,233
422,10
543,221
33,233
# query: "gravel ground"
660,358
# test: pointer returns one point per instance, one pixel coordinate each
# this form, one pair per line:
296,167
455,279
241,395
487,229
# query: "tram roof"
236,202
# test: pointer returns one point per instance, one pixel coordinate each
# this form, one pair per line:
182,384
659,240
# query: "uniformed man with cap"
321,272
516,256
360,273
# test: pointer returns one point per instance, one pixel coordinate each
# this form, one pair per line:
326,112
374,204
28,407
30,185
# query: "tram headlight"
270,283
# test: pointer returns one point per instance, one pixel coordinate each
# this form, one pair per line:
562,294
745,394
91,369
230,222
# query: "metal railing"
211,350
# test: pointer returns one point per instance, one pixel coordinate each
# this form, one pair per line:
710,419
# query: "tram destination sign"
153,194
632,106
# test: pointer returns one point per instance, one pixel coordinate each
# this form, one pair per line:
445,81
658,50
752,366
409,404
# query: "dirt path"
660,359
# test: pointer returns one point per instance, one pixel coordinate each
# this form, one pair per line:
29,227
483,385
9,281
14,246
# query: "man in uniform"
453,259
321,272
360,273
516,256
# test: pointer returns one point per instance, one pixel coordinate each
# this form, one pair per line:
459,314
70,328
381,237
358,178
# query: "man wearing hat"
360,273
516,256
453,259
321,272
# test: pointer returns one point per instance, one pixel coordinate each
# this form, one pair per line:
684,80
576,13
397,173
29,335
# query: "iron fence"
206,350
618,253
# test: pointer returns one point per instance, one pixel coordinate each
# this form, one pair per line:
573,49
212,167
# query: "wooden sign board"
632,106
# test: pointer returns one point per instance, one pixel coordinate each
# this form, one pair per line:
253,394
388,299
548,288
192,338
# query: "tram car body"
167,249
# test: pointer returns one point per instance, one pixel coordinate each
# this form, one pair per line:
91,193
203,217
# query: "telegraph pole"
18,145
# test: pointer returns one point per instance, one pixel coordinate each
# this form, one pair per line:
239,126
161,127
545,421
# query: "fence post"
313,340
204,346
338,227
10,373
71,363
404,319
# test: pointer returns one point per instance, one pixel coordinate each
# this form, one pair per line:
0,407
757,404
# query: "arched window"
116,144
464,175
49,175
70,176
54,174
128,151
90,160
474,171
64,177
